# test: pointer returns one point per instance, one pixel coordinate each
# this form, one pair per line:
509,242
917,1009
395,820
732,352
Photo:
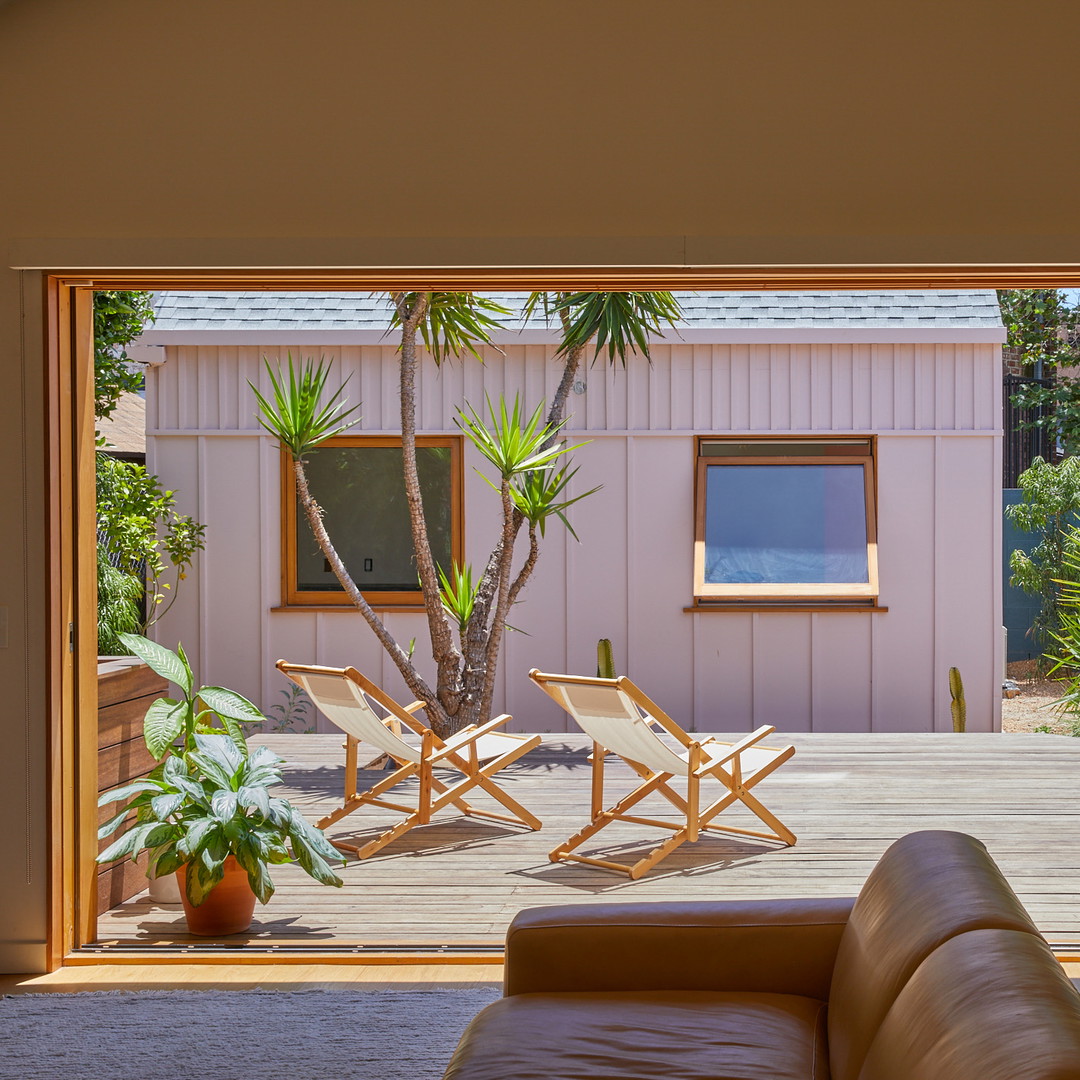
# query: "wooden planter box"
126,689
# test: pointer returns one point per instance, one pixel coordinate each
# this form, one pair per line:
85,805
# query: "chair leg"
779,830
385,838
661,851
427,805
770,819
482,778
354,802
605,818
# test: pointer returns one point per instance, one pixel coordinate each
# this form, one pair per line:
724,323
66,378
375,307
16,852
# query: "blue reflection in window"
785,524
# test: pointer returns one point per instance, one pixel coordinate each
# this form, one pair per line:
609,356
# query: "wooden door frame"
71,648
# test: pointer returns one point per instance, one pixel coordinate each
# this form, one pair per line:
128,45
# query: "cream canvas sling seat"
347,699
620,719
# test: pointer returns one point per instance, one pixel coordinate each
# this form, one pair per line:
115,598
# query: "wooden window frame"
814,593
410,599
64,345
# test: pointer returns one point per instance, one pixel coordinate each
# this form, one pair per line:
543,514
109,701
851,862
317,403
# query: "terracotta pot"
228,908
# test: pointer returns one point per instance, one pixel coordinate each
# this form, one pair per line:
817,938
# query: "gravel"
1031,709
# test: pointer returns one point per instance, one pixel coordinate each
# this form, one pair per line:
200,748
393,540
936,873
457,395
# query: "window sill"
726,607
416,609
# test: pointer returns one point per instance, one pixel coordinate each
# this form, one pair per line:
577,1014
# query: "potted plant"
208,816
172,722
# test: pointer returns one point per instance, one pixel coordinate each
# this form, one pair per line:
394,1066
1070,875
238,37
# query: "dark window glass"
362,492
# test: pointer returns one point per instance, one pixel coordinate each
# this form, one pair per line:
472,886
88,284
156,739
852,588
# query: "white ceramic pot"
165,890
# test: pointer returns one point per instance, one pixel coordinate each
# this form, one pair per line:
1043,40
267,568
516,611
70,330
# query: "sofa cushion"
763,946
927,888
645,1035
988,1005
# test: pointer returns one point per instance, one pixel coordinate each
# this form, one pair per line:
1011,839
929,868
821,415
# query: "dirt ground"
1030,710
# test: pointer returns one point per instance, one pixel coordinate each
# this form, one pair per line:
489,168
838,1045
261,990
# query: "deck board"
847,797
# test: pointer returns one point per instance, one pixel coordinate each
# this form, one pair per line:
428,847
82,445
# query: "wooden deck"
460,880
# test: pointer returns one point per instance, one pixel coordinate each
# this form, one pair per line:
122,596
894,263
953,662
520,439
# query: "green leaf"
203,874
197,835
190,680
230,705
536,495
130,843
453,323
113,823
297,417
164,723
164,805
250,858
618,321
128,790
254,797
219,758
457,593
216,774
168,862
302,832
263,757
512,443
224,804
160,660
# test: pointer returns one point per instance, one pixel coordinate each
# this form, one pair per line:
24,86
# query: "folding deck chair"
620,719
346,698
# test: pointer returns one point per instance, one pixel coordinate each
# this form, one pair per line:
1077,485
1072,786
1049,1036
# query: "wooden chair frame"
462,751
707,758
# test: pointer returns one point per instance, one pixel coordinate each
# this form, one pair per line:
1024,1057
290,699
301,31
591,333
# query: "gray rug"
235,1035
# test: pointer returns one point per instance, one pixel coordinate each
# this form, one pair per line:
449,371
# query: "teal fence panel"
1018,609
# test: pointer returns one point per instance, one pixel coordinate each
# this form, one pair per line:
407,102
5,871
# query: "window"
358,483
787,520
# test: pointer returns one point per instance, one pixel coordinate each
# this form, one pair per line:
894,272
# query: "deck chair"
349,700
620,719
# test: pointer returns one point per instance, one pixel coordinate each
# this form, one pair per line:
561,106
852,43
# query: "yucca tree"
618,322
531,473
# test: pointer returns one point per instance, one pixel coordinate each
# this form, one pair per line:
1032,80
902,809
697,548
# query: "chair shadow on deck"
711,855
430,839
309,785
324,781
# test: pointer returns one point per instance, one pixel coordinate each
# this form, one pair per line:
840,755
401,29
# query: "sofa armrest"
774,946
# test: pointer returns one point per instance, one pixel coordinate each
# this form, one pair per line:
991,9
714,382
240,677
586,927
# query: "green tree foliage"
143,536
1043,326
142,541
1051,503
119,318
119,606
1064,651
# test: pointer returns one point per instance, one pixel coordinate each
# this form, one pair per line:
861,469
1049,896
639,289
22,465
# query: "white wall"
934,407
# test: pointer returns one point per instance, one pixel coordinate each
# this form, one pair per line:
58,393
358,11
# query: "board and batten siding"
936,410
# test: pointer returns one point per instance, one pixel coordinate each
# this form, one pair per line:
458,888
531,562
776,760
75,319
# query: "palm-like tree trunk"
444,651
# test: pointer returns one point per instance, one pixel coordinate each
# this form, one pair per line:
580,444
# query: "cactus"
959,705
605,659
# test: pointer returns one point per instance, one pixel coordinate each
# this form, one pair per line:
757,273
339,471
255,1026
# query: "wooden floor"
460,880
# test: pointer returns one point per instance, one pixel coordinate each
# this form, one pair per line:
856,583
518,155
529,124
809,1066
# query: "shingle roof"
125,429
353,311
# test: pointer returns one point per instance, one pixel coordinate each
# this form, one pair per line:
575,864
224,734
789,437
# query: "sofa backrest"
986,1005
927,888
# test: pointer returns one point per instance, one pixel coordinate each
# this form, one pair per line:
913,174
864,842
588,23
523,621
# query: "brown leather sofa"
935,972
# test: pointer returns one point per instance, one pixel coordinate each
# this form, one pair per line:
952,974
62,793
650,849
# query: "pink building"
799,522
